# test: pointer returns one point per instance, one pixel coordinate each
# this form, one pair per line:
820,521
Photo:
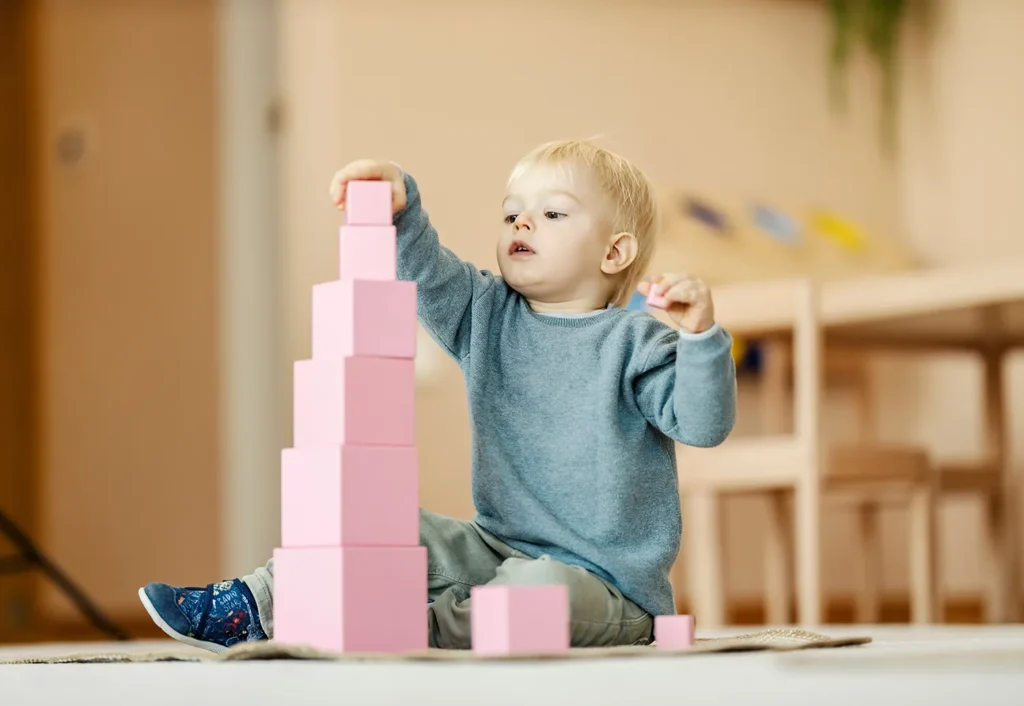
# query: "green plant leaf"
877,24
841,35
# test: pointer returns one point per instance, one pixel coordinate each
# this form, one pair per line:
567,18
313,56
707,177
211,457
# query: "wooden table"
965,308
977,310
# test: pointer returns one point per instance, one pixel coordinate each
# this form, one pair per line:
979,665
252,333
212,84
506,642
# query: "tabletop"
937,307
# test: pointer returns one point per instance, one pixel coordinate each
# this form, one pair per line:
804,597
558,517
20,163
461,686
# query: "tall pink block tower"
350,575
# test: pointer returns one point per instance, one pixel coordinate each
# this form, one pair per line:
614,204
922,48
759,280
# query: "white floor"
936,666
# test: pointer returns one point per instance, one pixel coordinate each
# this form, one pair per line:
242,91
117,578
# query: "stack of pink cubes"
350,575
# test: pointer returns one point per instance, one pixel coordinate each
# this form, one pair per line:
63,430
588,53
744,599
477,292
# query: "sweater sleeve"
447,287
687,386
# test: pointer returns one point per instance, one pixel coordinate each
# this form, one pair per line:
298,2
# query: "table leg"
1002,510
706,548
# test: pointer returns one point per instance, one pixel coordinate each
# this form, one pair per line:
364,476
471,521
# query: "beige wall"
128,318
730,97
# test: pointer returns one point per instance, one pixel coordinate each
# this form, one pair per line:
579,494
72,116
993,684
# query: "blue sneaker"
212,618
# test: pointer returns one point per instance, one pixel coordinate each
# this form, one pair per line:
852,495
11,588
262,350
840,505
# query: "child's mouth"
519,248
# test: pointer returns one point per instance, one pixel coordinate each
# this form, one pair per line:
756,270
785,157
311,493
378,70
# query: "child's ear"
622,250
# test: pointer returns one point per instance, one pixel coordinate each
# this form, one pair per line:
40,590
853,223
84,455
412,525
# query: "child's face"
557,234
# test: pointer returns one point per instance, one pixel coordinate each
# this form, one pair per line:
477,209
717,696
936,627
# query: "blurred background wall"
169,214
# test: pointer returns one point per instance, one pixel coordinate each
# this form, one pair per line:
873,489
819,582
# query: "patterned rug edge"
787,640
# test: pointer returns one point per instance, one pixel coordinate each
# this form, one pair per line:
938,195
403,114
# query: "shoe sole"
171,632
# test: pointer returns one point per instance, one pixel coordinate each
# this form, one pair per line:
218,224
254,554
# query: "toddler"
576,405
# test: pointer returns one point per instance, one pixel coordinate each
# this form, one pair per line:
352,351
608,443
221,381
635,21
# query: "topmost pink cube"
368,203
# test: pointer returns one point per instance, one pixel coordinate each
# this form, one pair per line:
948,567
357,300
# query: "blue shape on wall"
707,214
777,224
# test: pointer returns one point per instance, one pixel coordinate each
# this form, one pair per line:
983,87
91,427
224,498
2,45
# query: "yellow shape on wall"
840,231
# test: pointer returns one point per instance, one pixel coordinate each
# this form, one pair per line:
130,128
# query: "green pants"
460,555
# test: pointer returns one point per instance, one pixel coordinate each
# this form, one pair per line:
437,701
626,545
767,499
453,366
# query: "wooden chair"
988,478
789,469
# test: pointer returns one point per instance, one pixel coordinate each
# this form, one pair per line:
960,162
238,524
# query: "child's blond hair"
636,206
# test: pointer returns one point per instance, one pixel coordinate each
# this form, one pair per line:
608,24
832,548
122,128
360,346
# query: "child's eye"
553,215
510,218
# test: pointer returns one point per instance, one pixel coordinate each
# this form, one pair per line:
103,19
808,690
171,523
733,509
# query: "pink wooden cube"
351,599
673,632
354,401
350,496
364,318
656,300
507,620
368,203
368,252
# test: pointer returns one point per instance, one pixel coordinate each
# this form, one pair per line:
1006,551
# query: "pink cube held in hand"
656,300
673,632
368,203
508,620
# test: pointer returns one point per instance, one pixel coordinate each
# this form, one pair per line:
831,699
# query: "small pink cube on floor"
507,620
656,300
351,599
673,632
368,203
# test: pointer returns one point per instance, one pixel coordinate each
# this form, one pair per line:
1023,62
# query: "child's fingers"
644,287
664,283
398,197
362,170
337,188
685,292
657,284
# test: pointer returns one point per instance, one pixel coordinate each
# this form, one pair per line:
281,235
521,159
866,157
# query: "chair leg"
705,565
996,600
808,555
926,602
871,564
778,560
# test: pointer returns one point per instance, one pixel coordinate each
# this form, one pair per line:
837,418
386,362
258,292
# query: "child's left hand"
686,299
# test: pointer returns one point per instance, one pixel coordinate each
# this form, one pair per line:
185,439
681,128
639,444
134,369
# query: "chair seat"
851,465
970,477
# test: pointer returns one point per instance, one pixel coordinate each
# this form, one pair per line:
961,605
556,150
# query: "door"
127,316
17,463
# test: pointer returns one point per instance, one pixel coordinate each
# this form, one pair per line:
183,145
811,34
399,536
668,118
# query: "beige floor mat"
788,639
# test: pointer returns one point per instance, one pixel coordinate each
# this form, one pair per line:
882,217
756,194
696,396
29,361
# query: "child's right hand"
369,170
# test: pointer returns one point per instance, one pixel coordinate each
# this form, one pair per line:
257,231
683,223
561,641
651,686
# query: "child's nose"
522,222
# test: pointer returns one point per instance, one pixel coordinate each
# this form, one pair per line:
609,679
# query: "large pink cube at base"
368,252
508,620
368,203
673,632
364,318
350,496
351,599
354,401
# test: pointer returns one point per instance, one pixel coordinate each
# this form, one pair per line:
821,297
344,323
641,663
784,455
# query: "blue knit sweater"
574,418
